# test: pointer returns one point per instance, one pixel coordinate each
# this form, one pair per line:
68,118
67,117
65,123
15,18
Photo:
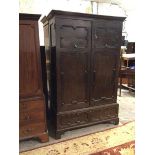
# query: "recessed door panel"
73,33
103,77
107,34
29,78
73,80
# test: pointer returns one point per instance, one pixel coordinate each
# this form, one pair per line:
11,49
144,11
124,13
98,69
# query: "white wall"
121,10
45,6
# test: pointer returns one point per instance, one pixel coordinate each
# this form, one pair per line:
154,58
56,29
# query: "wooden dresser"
83,52
32,116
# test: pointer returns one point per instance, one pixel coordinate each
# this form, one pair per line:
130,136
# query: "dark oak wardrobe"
32,116
82,54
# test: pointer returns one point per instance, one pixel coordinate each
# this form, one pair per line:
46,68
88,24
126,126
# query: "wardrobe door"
73,54
104,61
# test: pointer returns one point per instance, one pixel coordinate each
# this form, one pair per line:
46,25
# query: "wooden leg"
58,135
116,121
43,138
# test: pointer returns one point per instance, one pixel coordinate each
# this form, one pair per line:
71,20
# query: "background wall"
119,8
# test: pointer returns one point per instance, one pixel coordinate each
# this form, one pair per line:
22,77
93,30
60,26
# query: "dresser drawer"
103,113
31,130
31,105
72,119
27,117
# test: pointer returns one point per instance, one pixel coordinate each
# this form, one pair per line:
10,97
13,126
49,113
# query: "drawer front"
32,129
72,119
104,113
31,105
73,33
27,117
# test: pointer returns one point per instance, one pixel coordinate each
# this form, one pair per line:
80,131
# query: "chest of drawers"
32,116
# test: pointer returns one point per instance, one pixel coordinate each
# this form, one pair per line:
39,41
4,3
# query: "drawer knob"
78,121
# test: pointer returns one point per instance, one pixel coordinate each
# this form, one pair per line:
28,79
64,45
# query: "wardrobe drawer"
31,130
31,116
72,119
107,112
31,105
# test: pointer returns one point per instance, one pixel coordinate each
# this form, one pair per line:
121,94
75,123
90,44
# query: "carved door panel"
73,33
73,80
107,34
29,78
104,77
73,62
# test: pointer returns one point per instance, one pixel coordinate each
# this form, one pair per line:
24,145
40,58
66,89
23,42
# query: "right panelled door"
106,41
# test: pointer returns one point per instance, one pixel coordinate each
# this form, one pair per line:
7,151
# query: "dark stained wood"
84,59
85,15
44,77
32,115
104,76
27,16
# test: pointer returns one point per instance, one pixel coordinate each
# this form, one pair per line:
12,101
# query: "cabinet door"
29,77
104,61
73,59
104,77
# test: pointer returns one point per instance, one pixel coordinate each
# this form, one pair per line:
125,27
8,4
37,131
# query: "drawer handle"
78,121
27,117
96,36
28,130
24,105
74,102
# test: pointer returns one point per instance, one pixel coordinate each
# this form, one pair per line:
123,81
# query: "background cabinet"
84,53
32,116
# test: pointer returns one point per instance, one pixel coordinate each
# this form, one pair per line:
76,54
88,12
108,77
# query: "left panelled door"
73,63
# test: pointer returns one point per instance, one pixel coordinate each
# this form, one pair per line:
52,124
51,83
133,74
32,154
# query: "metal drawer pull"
24,105
78,121
27,117
74,102
27,131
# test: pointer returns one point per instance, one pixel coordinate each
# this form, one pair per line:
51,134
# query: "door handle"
96,36
94,76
